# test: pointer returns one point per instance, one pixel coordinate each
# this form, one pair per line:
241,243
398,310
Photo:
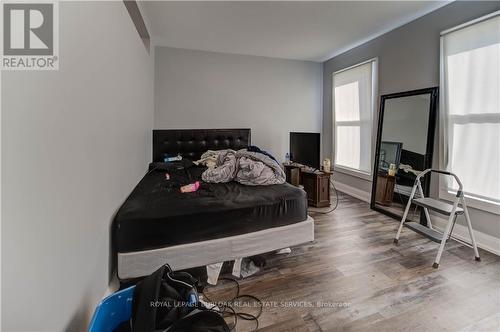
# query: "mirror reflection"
402,150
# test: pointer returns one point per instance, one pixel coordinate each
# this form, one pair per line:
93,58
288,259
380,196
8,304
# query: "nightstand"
385,189
316,184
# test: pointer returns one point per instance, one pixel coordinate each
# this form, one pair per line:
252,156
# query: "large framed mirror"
405,140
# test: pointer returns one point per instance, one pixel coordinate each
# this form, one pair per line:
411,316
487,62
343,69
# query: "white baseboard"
351,191
484,241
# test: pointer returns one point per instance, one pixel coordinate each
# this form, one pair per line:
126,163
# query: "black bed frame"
191,143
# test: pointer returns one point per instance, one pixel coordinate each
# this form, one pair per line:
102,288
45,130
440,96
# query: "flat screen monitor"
390,153
304,149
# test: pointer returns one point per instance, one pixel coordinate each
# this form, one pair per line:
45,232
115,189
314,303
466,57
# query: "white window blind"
470,110
353,112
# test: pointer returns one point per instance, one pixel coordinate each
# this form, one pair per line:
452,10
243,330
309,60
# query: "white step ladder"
451,210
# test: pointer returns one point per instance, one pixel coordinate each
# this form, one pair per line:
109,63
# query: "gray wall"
408,59
74,144
198,89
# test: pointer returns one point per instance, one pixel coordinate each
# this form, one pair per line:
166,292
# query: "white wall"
74,144
198,89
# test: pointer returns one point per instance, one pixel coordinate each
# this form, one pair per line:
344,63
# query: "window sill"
473,202
353,172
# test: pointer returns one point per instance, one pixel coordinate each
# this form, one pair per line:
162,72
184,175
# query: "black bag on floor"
168,301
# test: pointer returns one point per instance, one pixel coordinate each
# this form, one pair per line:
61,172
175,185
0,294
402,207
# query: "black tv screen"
304,149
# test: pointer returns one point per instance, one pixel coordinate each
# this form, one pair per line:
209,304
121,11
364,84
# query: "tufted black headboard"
191,143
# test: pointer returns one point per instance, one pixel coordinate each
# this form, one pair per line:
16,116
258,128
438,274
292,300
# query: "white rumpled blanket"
257,169
224,168
245,167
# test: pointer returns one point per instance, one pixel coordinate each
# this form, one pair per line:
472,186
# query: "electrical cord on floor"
336,201
227,309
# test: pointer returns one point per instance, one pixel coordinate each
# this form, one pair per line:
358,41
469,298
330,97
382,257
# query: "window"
353,94
470,111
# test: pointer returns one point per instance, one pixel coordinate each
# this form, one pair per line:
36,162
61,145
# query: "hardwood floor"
369,284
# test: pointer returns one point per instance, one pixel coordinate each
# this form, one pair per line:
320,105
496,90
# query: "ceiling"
306,30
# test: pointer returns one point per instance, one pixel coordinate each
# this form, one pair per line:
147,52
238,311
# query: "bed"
220,222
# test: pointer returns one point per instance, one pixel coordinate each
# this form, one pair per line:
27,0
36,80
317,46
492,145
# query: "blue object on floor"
112,311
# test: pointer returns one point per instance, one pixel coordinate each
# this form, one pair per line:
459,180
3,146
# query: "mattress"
157,214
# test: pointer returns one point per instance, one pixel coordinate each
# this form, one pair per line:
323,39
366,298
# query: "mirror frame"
434,93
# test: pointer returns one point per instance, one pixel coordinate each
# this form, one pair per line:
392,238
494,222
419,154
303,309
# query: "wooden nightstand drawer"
316,185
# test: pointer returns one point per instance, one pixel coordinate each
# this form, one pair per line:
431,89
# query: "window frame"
445,192
374,96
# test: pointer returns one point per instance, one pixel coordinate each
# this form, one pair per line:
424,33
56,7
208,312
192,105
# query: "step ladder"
450,210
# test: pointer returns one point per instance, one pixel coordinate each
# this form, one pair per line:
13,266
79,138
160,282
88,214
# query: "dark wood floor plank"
358,280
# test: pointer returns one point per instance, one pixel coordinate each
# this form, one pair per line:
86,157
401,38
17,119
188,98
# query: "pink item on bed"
190,188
